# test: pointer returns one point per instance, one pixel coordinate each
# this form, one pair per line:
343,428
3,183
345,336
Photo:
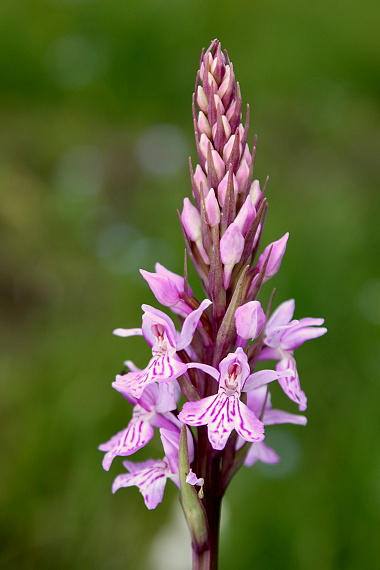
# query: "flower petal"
192,479
160,369
190,325
168,396
246,423
272,417
151,483
258,379
162,287
128,441
282,315
205,368
216,411
152,317
221,424
291,383
197,413
295,336
127,332
261,452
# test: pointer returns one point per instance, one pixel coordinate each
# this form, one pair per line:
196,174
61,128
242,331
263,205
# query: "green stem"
212,501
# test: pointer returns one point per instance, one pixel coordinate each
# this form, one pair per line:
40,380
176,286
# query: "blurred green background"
95,131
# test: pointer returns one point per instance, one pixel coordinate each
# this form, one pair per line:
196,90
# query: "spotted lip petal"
150,479
159,331
138,433
150,476
160,369
222,414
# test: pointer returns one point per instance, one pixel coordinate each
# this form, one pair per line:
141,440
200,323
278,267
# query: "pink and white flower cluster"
203,374
154,391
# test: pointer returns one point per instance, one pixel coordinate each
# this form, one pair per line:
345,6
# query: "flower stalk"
211,361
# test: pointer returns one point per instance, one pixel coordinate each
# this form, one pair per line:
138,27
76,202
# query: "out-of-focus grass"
82,83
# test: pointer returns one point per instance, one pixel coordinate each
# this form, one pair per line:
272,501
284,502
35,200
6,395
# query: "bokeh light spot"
73,61
162,149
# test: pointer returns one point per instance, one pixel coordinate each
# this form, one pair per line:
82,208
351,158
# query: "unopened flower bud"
231,249
200,180
222,188
191,221
255,192
242,175
246,216
277,250
212,209
250,320
204,125
202,99
219,165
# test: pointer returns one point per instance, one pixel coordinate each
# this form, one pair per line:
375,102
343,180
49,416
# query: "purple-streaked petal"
134,437
261,452
258,379
160,369
291,383
190,325
197,413
127,332
221,420
151,483
246,423
222,414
